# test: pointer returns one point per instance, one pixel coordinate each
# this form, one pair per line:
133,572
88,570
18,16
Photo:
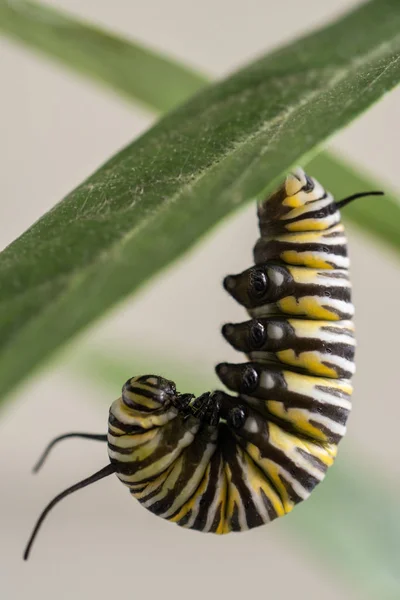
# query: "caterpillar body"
220,463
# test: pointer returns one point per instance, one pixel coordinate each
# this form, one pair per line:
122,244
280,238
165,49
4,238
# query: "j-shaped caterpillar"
220,463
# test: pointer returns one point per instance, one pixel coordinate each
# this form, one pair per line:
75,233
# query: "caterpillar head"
299,204
148,393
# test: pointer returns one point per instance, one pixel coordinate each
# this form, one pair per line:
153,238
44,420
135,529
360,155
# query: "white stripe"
296,485
330,336
166,486
327,398
330,424
339,361
342,306
331,282
215,502
302,462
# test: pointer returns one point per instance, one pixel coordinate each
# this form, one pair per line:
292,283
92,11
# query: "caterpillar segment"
273,289
220,462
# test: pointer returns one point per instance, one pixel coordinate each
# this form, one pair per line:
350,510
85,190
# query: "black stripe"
268,504
145,393
234,519
217,518
338,330
293,495
121,450
323,197
314,247
317,215
313,460
333,391
156,490
332,437
125,427
335,274
192,457
185,518
216,473
253,518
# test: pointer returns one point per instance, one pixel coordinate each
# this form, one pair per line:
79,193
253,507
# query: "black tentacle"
87,436
104,472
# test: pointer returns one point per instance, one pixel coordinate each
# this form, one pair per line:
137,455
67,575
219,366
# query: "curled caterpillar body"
220,463
213,463
263,451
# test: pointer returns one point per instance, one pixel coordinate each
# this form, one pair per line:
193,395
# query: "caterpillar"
220,462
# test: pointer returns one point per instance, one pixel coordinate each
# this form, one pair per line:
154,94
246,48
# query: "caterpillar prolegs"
220,462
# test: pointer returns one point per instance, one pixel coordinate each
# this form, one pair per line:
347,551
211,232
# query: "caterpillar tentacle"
87,436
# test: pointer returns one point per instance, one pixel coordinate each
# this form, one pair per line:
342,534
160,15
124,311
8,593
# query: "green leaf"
153,200
145,76
126,67
351,521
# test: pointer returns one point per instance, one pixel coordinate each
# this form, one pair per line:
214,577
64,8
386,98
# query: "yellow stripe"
307,305
297,417
258,482
310,259
307,224
307,360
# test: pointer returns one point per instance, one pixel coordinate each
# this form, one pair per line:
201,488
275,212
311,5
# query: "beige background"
54,130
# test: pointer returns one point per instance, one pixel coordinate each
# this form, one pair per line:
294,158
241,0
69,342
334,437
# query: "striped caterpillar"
220,463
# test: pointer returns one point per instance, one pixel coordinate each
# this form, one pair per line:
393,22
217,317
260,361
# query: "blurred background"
55,129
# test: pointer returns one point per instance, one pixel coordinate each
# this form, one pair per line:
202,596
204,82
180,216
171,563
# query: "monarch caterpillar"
220,463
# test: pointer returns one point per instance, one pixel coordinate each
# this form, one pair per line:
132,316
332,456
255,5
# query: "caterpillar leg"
87,436
320,348
207,408
315,407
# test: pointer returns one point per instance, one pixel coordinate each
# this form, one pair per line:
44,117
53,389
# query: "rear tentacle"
104,472
88,436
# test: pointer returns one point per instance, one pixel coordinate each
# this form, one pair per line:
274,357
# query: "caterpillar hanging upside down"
220,463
